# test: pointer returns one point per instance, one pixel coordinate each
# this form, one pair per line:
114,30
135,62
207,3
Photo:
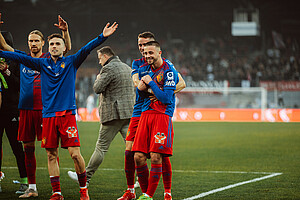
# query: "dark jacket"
10,95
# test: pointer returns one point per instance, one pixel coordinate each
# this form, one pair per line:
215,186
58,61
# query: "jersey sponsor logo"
170,76
62,65
170,83
29,71
160,138
72,132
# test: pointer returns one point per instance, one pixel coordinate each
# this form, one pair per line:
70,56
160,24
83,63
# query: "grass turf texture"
198,147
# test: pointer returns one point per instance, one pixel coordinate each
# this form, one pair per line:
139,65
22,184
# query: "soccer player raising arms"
58,75
30,101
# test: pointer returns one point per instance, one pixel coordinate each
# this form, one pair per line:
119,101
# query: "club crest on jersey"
62,65
159,77
160,138
72,132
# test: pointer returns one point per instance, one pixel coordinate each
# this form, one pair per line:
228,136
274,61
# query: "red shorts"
154,134
30,125
134,122
63,127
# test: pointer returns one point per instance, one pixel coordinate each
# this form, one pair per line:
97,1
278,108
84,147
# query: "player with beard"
154,135
142,171
30,101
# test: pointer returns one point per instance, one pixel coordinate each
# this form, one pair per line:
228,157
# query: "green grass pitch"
207,156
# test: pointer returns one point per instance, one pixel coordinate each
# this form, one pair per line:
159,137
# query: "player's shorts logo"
160,138
72,132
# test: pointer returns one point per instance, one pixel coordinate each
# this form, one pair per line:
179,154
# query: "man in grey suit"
116,99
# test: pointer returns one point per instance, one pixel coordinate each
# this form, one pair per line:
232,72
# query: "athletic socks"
155,173
82,180
143,174
30,163
55,183
129,168
24,180
167,174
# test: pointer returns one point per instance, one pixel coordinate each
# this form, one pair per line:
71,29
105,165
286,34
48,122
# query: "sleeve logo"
170,76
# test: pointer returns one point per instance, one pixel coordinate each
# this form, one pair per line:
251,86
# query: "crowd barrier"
217,114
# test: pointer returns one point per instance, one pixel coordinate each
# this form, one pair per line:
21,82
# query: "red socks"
82,179
55,183
30,163
143,174
167,173
129,168
155,173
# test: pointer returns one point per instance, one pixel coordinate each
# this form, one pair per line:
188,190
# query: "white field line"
270,175
174,170
231,186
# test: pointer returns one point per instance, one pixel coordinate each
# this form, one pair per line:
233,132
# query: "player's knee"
51,156
75,156
140,158
156,158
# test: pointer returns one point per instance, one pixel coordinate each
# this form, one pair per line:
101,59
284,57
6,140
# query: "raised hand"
107,31
62,24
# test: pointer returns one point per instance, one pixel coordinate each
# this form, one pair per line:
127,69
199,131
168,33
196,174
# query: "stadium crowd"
235,59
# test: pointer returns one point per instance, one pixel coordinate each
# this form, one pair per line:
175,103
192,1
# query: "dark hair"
107,50
8,38
146,34
56,35
153,43
39,33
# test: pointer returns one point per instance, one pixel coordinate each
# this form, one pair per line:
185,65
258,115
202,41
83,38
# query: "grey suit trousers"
107,133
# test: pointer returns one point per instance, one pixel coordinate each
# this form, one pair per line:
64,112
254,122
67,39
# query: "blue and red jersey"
58,79
163,85
137,109
30,86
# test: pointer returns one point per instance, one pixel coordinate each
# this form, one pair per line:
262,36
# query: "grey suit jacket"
116,89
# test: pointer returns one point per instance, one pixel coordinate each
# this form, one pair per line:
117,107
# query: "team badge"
72,132
62,65
159,77
160,138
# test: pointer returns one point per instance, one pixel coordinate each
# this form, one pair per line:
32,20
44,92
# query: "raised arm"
81,55
63,26
33,63
3,45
